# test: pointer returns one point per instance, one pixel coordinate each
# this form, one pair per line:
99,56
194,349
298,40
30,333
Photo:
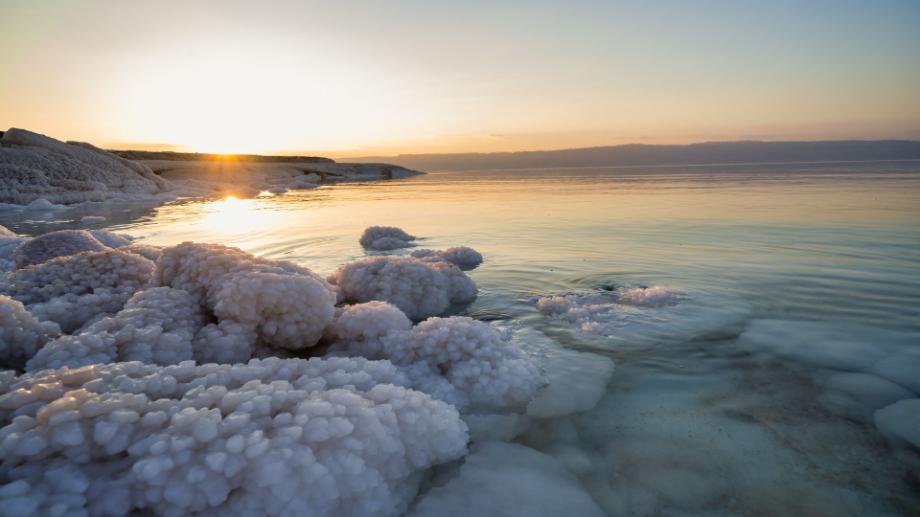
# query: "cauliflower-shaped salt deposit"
156,326
287,306
72,290
287,311
481,368
145,250
61,243
271,437
420,289
383,238
461,256
9,241
21,335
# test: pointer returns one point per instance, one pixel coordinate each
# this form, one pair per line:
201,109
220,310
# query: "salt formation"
862,371
383,238
9,241
509,479
463,257
35,167
110,239
637,315
481,369
156,326
900,422
145,250
21,335
420,289
271,437
71,290
55,244
306,181
283,305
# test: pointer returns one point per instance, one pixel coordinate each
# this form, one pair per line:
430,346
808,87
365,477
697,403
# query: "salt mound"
145,250
509,479
462,361
271,437
9,241
463,257
72,290
110,239
21,335
282,304
639,315
383,238
35,167
156,326
420,289
61,243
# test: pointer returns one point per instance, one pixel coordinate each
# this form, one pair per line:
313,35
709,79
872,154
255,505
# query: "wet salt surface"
754,392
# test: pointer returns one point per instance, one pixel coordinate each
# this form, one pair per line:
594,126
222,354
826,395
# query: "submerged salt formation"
420,289
35,167
384,238
860,378
636,315
282,437
461,256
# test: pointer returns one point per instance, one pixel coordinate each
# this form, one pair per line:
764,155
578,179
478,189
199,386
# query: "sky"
351,78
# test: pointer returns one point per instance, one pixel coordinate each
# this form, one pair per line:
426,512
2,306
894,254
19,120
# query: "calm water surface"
692,421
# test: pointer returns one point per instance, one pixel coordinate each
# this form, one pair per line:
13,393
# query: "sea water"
752,392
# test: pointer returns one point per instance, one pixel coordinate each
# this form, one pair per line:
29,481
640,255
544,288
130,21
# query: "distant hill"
640,154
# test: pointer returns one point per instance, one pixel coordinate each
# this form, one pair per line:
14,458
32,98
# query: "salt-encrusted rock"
156,326
71,290
420,289
272,437
463,257
35,167
287,306
61,243
383,238
21,335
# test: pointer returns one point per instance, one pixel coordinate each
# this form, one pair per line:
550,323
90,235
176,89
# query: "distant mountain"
640,154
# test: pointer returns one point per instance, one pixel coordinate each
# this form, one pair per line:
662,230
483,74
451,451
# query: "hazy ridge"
642,154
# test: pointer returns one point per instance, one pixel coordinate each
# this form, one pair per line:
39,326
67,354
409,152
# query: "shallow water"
694,419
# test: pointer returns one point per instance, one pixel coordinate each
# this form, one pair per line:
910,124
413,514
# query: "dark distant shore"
706,153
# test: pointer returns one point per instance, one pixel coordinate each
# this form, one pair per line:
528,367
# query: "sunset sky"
370,78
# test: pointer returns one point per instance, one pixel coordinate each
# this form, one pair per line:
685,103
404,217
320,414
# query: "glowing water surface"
691,422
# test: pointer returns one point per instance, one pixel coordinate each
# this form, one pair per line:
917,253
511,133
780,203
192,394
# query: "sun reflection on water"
232,215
